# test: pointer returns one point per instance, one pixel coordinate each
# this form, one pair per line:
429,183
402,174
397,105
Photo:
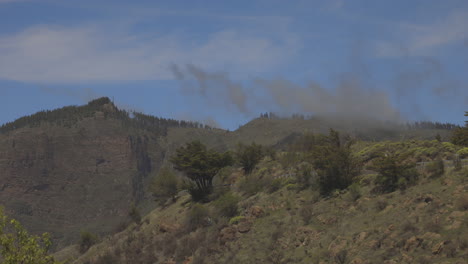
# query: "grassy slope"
426,223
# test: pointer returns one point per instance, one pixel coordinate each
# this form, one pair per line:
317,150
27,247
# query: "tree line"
69,115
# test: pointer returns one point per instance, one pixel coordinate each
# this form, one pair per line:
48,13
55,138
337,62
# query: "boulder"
244,226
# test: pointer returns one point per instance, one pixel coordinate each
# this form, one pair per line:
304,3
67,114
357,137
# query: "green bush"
249,156
460,136
463,153
335,163
276,184
354,192
236,219
18,246
290,159
394,173
87,240
165,185
227,206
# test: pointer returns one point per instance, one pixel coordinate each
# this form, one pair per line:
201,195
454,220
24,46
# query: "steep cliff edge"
62,180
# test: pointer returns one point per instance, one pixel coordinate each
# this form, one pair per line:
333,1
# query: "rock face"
63,180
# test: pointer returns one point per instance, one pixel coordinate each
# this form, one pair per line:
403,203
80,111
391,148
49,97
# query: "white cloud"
424,39
58,54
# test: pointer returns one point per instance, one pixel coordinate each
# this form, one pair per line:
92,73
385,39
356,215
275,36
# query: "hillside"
279,222
84,167
79,168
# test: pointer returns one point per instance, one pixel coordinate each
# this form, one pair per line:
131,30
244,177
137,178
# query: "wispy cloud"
92,53
422,40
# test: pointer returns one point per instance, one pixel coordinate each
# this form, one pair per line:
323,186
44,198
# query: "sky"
225,62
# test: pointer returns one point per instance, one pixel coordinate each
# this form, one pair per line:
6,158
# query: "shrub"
198,216
335,164
227,205
134,214
221,183
87,240
188,245
305,176
290,159
252,184
460,136
394,173
463,153
276,184
164,185
249,156
236,220
17,246
354,192
436,168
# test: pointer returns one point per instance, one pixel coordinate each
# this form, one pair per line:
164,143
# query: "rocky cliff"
66,179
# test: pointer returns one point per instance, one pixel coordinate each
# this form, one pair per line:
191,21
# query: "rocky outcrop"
63,180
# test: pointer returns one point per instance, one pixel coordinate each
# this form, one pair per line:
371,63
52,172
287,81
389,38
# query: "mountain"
79,168
84,167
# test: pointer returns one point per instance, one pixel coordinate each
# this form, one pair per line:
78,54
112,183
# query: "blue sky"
224,62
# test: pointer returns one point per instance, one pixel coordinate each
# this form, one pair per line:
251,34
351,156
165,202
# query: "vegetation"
277,215
134,214
436,168
87,239
305,176
394,172
227,206
165,185
309,203
417,150
18,246
200,165
460,135
335,163
249,156
197,217
68,116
